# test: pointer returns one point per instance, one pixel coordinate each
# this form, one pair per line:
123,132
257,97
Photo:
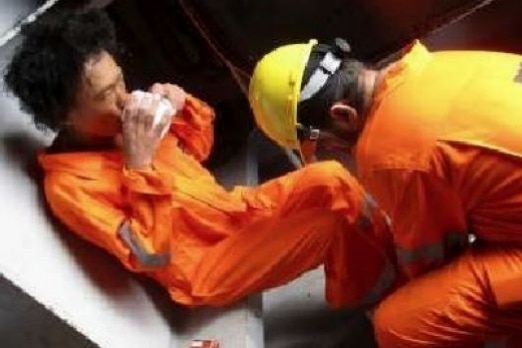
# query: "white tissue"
164,108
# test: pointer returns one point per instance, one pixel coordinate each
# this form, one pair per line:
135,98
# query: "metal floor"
296,316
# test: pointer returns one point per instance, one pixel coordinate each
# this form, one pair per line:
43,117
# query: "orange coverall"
442,154
208,246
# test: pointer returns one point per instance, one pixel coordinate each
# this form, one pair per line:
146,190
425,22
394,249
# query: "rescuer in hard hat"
436,139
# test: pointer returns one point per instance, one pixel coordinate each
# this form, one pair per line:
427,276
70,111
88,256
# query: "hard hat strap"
327,67
307,133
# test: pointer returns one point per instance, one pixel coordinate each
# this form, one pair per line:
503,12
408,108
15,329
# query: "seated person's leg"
271,252
319,216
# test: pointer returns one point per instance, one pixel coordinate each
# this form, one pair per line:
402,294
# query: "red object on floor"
204,344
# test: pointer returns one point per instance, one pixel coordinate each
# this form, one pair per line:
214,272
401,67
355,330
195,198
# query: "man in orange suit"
436,140
116,179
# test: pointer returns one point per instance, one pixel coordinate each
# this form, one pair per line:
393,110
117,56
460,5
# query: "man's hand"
140,137
175,94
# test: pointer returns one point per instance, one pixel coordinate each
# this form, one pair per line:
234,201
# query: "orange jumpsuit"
208,246
442,154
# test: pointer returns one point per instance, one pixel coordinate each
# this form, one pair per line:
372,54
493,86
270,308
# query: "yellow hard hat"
274,92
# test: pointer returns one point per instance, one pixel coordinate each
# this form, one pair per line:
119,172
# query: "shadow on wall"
21,150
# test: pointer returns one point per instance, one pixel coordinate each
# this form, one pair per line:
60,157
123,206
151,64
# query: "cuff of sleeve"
147,181
197,112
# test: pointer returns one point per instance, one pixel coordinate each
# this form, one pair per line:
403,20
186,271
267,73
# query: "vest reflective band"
388,274
383,284
436,252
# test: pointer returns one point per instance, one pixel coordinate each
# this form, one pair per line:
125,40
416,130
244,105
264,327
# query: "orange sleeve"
427,218
84,208
194,128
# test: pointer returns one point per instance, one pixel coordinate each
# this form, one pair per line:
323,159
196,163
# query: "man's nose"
122,98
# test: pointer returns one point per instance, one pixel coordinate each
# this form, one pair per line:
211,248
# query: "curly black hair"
47,67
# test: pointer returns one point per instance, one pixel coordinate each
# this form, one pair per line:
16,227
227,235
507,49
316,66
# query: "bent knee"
384,322
396,326
328,170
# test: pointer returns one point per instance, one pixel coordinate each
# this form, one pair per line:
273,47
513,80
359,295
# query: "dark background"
195,43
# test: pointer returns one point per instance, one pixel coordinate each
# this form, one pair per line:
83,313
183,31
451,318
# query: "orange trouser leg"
316,221
272,253
456,305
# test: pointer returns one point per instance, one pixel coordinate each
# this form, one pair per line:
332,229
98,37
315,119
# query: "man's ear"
345,116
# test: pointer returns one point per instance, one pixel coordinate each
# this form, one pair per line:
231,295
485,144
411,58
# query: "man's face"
337,139
329,145
100,99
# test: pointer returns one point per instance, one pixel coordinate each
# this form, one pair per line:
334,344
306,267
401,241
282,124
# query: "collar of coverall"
81,163
414,57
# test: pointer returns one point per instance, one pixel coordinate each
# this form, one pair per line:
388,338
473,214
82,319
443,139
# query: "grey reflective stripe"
384,283
433,252
328,66
388,274
144,258
453,243
364,220
370,201
388,220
